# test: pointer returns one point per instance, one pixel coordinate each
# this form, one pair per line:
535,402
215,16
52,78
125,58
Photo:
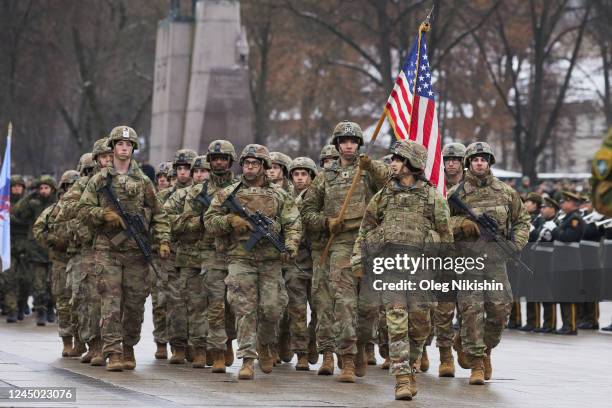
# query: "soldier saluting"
122,270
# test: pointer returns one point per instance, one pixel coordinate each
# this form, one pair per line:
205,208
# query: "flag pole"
423,28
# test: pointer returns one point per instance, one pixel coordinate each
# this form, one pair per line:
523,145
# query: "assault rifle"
490,230
261,225
134,225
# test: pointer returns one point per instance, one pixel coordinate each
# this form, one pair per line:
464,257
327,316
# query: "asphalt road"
529,370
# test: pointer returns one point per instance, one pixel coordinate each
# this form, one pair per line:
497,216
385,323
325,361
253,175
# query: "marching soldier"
294,327
329,154
355,314
408,211
221,322
254,280
453,154
162,176
86,303
122,271
570,229
17,285
26,211
485,194
55,236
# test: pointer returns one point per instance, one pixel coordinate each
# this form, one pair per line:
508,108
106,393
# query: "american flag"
418,123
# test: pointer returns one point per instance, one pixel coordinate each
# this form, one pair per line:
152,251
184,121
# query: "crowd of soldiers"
244,257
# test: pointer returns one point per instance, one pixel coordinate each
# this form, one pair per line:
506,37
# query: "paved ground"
530,370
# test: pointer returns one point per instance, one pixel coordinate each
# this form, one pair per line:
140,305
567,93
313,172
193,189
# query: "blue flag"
5,206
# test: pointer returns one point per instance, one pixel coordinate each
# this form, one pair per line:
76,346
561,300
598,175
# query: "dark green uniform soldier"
16,278
27,211
570,229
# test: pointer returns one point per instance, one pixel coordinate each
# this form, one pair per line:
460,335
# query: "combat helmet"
454,150
164,169
86,162
347,129
184,157
68,178
48,180
328,152
304,163
100,147
17,179
282,160
123,133
221,147
476,148
415,153
200,162
256,151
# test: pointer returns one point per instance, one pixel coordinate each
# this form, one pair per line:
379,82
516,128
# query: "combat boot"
462,358
178,355
424,366
67,341
370,356
86,358
477,375
129,360
115,362
41,318
360,361
162,351
447,363
229,354
247,371
327,367
218,361
284,349
12,317
313,354
302,364
189,353
413,384
97,360
266,359
488,368
78,349
347,374
199,357
402,387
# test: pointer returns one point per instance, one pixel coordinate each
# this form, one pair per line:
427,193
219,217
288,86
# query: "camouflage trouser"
443,323
17,283
186,304
254,291
408,325
383,331
62,292
323,303
354,307
41,285
221,320
484,313
85,298
294,323
158,299
123,285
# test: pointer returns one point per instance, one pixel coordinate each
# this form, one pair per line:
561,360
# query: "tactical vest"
492,200
337,183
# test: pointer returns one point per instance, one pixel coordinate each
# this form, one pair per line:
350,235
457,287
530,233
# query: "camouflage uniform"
485,313
415,216
221,325
16,278
122,273
54,234
27,211
185,308
254,279
355,314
